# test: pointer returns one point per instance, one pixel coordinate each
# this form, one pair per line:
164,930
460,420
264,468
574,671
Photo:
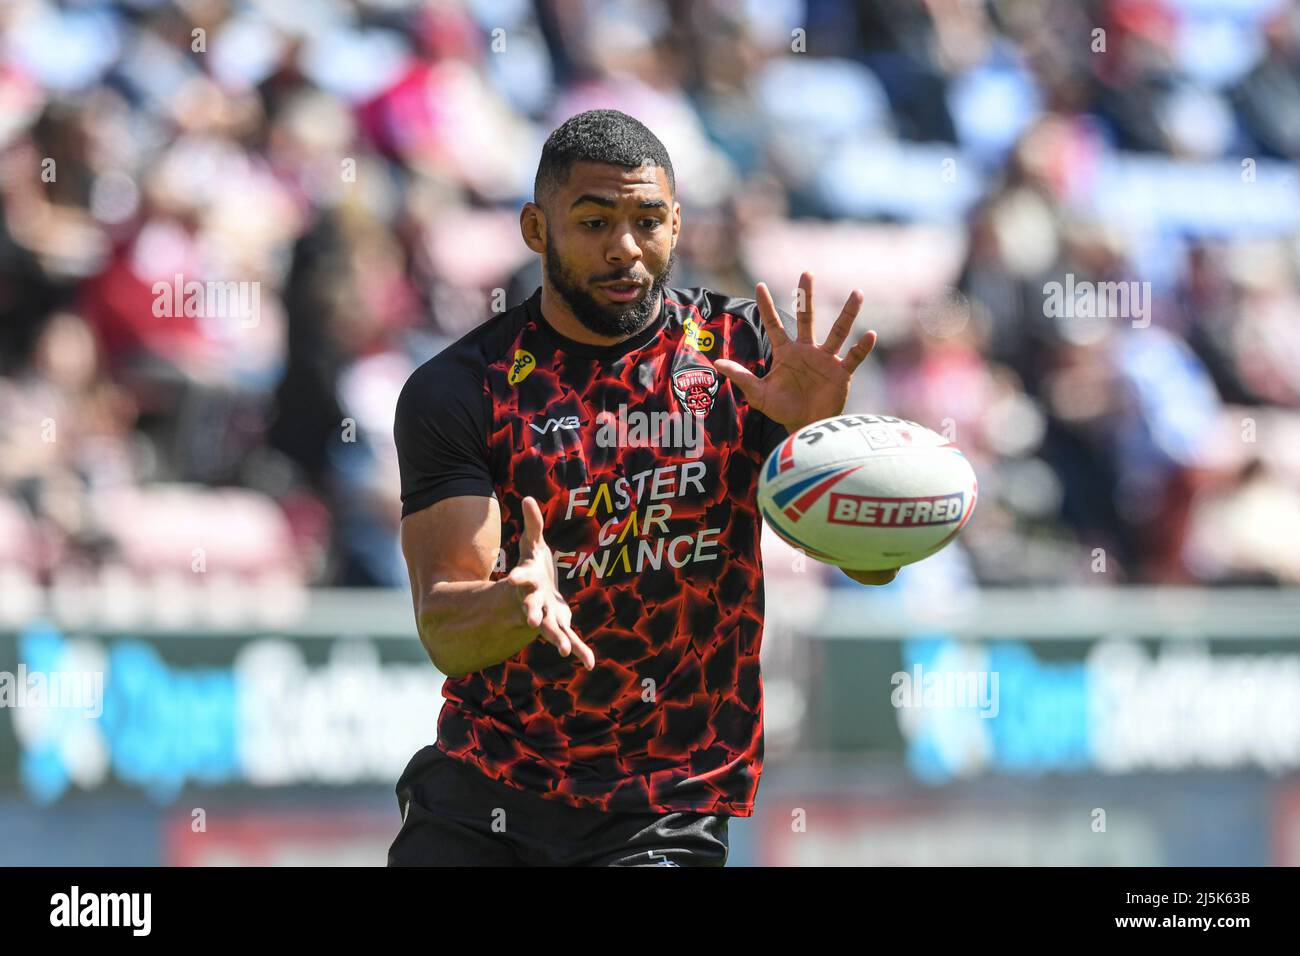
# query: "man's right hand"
540,602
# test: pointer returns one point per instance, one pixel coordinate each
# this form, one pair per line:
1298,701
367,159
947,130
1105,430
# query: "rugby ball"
867,492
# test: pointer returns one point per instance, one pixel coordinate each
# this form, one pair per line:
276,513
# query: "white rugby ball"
867,492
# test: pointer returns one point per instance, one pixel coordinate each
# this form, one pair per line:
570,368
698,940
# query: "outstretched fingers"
532,523
771,319
858,354
543,606
585,653
557,629
844,324
553,632
803,312
535,610
749,383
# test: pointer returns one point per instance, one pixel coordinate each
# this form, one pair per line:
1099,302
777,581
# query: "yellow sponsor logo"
522,365
696,336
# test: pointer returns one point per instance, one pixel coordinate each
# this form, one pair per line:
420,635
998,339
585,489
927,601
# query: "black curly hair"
598,136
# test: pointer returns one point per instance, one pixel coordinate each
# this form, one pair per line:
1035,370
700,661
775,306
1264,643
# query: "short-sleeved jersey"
645,462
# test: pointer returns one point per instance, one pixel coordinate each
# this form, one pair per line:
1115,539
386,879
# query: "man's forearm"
466,626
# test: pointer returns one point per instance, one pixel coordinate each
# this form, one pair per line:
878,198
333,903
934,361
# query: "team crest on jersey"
521,366
695,386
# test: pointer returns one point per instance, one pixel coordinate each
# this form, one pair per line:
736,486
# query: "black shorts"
454,815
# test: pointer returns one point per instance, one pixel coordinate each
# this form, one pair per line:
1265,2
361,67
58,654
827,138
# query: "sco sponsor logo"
696,337
522,365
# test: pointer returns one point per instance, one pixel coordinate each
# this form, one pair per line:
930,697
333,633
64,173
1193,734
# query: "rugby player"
587,577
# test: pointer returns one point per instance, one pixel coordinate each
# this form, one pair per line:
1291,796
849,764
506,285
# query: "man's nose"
625,248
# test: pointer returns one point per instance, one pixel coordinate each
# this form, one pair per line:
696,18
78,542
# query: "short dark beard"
610,321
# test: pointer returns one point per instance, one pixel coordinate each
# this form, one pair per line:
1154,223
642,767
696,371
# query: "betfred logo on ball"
894,512
867,492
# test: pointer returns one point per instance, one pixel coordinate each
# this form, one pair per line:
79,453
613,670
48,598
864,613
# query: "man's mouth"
622,290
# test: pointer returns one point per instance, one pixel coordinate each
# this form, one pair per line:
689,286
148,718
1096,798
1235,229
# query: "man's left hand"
805,382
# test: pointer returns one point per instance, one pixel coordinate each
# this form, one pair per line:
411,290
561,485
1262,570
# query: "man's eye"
593,224
650,223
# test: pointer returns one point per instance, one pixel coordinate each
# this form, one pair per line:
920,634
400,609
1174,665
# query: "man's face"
610,237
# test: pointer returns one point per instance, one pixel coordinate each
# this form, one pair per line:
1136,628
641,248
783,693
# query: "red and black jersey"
645,462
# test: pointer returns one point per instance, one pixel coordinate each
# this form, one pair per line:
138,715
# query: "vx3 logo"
556,424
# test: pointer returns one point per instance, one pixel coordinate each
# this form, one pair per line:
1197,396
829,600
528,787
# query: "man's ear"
532,226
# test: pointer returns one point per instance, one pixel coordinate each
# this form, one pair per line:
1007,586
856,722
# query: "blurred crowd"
360,165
